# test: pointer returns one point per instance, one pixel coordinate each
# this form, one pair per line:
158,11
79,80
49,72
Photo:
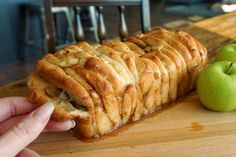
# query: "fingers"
51,125
59,126
8,124
28,153
28,129
11,106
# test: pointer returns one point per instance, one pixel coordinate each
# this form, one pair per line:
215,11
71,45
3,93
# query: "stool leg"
145,16
24,33
92,12
123,31
69,20
43,28
49,25
58,37
79,33
101,25
72,15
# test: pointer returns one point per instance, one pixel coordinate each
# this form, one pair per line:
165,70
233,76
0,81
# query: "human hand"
17,130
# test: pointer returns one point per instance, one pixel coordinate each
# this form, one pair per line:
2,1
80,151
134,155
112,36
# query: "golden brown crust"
153,97
42,92
105,86
164,77
180,48
174,56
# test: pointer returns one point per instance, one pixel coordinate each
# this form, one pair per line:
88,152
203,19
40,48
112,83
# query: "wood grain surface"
184,129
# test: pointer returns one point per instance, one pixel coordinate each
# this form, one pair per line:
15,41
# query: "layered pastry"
103,87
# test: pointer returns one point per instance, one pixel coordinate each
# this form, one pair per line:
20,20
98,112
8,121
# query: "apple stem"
230,68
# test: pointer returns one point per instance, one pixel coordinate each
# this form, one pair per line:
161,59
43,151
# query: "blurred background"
22,33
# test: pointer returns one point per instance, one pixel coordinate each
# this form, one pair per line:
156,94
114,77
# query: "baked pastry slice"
103,87
166,61
165,86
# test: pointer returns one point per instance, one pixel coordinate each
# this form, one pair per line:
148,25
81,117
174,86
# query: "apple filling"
68,102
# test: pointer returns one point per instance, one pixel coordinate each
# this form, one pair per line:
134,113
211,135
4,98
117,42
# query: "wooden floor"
16,71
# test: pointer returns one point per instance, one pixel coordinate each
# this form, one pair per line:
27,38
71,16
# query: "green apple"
227,53
216,86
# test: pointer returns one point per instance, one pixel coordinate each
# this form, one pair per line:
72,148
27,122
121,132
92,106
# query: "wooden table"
185,129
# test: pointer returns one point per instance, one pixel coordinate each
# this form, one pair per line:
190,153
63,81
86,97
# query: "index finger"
11,106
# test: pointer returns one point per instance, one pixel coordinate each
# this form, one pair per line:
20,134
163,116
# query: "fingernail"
44,112
73,124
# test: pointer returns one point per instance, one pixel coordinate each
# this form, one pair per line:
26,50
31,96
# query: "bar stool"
101,29
37,9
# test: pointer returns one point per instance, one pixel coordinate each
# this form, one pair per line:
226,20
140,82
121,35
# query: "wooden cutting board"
185,128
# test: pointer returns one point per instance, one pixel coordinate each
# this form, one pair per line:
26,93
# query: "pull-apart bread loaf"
102,87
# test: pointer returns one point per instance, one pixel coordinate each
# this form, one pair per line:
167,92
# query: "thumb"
27,130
